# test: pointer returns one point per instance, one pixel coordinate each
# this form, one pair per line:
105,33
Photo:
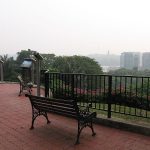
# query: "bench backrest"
66,107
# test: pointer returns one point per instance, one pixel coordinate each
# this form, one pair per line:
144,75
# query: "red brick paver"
60,134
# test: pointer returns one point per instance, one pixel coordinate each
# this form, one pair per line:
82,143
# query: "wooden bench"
24,86
69,107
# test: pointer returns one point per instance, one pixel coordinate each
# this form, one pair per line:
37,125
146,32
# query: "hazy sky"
68,27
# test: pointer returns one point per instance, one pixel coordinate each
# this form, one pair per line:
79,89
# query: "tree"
23,54
10,68
47,62
121,72
134,72
77,64
64,64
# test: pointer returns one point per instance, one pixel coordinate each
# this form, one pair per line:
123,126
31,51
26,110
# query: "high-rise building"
130,60
146,60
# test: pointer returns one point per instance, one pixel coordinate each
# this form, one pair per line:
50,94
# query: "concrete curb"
123,125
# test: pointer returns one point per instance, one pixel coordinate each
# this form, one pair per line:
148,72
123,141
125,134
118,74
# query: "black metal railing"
129,95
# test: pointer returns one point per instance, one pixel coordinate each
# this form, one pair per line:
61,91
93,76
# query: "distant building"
146,60
130,60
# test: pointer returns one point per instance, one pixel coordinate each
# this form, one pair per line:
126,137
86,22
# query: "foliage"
122,99
76,64
134,72
47,62
10,68
65,64
23,54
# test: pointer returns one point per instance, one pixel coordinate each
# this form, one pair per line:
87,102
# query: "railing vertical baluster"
120,91
59,79
85,86
64,85
136,91
56,84
109,95
147,96
104,91
62,82
68,82
53,79
115,85
91,89
47,84
87,89
125,92
72,86
120,84
131,93
100,89
80,85
76,85
141,101
95,90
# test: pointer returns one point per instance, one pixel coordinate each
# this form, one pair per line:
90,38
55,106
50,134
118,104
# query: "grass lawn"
121,113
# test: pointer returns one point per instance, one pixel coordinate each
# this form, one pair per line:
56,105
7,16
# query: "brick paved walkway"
15,120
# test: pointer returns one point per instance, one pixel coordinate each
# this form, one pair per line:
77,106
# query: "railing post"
72,86
46,84
109,95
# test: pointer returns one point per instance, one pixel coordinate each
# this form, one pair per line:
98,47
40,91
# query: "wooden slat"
61,106
49,106
56,109
42,102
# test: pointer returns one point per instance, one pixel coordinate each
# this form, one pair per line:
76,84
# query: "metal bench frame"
24,86
43,105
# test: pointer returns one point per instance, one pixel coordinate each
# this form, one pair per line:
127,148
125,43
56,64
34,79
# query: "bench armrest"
86,109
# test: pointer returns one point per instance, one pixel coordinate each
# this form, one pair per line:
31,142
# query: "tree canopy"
77,64
134,72
9,67
64,64
23,54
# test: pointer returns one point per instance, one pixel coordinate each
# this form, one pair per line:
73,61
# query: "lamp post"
33,67
39,58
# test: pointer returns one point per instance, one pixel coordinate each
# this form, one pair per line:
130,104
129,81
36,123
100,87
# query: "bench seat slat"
43,99
54,109
53,104
49,102
39,105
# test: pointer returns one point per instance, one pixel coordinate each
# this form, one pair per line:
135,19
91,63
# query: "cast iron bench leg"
82,125
35,114
91,126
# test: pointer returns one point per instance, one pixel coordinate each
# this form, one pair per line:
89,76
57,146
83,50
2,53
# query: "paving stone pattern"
60,134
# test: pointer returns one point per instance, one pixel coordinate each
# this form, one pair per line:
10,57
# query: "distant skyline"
74,27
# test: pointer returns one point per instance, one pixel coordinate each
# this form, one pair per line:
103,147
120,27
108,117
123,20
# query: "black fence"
129,95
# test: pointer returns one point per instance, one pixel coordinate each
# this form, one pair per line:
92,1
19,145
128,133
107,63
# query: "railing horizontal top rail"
133,76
